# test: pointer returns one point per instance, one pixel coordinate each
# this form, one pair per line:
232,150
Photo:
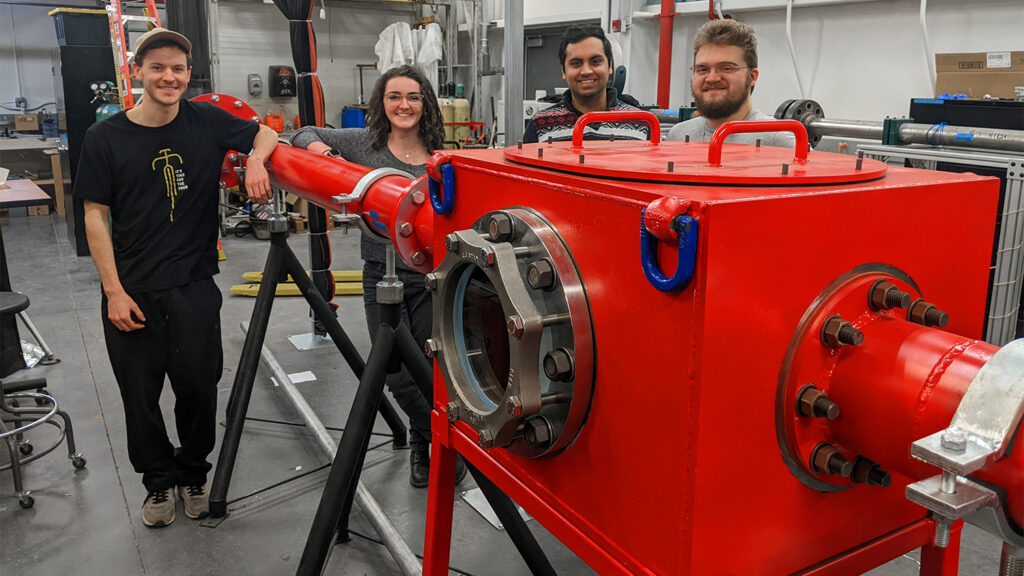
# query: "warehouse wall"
860,60
252,36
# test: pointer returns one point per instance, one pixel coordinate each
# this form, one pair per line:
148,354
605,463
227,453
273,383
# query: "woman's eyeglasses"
721,69
413,99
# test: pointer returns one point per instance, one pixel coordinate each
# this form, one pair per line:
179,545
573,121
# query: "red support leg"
440,499
943,561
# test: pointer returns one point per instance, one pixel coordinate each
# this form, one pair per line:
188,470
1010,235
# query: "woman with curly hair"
404,127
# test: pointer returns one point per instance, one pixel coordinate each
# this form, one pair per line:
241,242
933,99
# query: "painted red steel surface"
677,469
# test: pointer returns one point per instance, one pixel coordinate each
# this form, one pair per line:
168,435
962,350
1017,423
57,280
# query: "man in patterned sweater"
586,58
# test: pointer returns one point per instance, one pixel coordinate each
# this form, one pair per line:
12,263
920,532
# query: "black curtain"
189,17
311,113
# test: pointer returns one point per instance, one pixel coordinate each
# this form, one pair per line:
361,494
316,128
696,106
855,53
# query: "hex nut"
836,332
538,431
500,228
418,258
515,325
405,229
925,313
558,364
513,406
418,197
452,411
430,282
541,274
451,242
431,348
825,459
885,295
485,439
954,441
812,402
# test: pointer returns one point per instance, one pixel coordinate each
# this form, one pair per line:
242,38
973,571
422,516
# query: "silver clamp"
356,195
979,434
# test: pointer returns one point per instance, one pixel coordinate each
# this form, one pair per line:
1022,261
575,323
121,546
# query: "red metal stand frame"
449,440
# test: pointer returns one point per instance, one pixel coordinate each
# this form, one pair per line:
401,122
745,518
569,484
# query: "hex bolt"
785,169
836,332
215,98
879,477
430,282
418,197
550,139
237,103
885,295
559,364
515,325
757,143
826,459
581,158
487,256
431,348
513,406
860,159
611,137
452,411
866,471
418,258
671,166
451,242
405,229
954,441
686,138
485,439
540,152
925,313
540,274
519,145
499,227
538,431
813,402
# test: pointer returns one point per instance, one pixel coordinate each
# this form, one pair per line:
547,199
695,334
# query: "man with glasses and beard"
724,74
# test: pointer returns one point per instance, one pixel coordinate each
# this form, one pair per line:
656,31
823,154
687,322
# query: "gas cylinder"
462,115
448,116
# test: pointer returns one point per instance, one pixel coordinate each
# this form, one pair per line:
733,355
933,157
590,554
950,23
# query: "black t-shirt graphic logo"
174,179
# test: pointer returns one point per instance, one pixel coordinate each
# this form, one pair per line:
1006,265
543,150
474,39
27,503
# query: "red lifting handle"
618,116
739,127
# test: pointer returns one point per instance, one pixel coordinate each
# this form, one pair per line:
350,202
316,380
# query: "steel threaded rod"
942,526
896,298
1011,561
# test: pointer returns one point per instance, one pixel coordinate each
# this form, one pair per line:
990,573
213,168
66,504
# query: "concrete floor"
89,521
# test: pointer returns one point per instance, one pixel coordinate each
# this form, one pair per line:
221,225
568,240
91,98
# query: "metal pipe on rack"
934,134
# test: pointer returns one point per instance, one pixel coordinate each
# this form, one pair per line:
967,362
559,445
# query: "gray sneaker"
196,499
158,509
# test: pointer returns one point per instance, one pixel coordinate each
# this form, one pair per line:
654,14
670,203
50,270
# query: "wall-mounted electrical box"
255,84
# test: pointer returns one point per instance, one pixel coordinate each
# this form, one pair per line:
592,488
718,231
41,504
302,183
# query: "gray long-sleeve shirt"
699,131
356,145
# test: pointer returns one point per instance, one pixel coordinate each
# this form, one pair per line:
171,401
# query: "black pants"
181,341
418,315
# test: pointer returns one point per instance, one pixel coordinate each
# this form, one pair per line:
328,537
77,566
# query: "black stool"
15,419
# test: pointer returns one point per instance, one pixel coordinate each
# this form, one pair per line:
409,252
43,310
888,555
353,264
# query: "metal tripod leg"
351,449
48,359
241,390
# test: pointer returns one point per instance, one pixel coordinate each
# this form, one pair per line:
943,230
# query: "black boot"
419,464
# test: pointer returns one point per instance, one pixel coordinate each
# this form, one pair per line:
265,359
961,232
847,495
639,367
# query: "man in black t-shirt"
153,171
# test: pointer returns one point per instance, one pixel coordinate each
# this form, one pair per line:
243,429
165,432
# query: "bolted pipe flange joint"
431,348
811,402
836,332
541,274
500,228
485,439
452,411
925,313
559,364
515,325
451,242
825,459
884,295
954,441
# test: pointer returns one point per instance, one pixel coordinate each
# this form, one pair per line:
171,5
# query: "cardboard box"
26,122
979,74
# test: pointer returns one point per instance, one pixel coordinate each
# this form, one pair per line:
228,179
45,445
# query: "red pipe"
667,15
903,383
386,206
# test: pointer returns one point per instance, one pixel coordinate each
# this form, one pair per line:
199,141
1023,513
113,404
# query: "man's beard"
723,108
